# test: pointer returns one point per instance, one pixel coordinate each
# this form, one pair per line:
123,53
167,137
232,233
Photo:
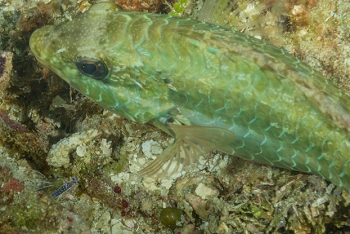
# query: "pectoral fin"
190,143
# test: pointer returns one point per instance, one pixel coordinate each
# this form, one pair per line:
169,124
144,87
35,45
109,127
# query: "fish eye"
92,68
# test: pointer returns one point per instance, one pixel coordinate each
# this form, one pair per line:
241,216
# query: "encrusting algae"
208,86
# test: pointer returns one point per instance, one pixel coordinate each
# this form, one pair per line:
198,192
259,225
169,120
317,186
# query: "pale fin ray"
190,143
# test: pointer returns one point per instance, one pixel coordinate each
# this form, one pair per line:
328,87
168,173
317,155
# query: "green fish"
209,87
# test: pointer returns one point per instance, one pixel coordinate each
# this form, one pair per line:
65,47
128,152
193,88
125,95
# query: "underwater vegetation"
219,194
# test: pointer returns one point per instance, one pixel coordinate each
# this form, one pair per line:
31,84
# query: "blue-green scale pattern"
281,111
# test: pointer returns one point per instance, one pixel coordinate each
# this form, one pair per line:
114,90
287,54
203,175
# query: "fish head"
74,50
64,55
95,54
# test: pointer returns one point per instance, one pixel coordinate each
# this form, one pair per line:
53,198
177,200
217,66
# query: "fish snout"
39,43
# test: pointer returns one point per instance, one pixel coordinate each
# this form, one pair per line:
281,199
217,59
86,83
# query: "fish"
208,86
65,188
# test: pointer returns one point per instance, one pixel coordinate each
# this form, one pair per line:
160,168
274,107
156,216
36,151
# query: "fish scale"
209,87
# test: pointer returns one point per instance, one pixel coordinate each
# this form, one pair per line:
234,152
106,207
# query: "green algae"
179,7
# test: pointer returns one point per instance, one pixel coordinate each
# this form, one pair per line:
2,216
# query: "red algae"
125,204
11,123
13,185
117,189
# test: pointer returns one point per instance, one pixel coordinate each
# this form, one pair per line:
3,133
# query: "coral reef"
51,134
